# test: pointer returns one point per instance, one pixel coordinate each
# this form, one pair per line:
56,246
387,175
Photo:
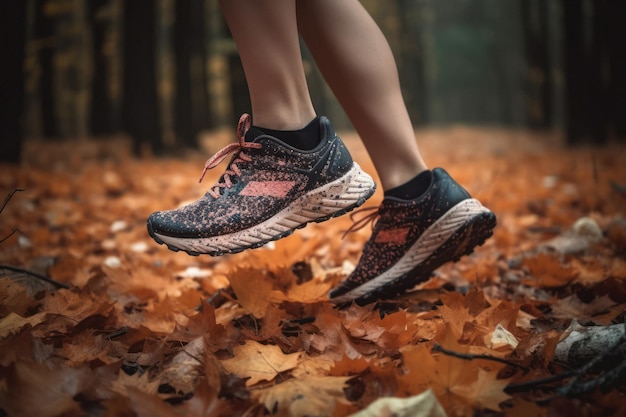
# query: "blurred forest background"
162,72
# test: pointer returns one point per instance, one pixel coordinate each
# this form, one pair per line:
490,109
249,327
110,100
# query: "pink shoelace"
370,218
245,121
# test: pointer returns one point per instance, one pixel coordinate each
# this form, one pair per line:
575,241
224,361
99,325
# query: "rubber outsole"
470,235
367,193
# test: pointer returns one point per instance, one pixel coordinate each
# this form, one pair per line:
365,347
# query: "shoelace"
245,121
370,218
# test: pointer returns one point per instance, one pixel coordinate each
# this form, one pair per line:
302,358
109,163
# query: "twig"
536,383
35,275
469,357
9,197
8,236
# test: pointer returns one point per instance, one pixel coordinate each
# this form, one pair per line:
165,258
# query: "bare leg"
266,35
356,61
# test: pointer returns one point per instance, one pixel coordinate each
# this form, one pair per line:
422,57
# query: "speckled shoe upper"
265,178
408,236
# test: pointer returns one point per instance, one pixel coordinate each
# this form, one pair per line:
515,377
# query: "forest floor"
129,328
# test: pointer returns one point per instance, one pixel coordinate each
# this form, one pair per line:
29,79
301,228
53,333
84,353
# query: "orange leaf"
548,271
253,289
486,392
259,362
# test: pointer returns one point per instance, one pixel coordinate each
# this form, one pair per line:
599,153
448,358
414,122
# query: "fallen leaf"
486,392
253,290
39,390
304,397
500,337
422,405
600,310
259,362
138,382
13,323
547,271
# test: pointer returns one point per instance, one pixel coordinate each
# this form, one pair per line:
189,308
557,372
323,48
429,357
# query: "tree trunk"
45,33
190,103
539,86
140,107
101,111
616,33
13,34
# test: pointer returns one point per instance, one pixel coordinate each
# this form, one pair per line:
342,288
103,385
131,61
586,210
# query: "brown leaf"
259,362
148,405
486,392
253,289
39,390
601,310
547,271
13,323
309,396
138,382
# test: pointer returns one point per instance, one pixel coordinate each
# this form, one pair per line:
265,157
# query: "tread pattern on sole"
472,234
331,200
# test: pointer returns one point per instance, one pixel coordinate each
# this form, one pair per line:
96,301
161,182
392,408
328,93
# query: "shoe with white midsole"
268,190
412,238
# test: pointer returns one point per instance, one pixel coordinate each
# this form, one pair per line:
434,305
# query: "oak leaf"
259,362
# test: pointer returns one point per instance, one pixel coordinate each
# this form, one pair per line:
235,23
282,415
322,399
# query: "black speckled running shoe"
268,190
412,238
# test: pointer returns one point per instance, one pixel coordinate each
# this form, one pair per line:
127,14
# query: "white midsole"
426,244
321,202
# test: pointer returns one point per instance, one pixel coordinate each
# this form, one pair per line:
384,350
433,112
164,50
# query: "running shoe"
268,190
412,238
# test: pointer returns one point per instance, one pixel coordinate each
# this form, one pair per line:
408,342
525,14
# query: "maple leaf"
86,347
259,362
589,271
311,291
71,308
13,323
600,310
486,392
304,397
349,366
255,297
17,298
331,338
548,271
420,366
137,382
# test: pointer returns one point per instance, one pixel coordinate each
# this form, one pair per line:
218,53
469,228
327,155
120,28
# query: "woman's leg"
357,63
266,35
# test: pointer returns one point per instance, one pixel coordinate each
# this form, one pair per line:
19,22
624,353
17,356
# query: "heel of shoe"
335,198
